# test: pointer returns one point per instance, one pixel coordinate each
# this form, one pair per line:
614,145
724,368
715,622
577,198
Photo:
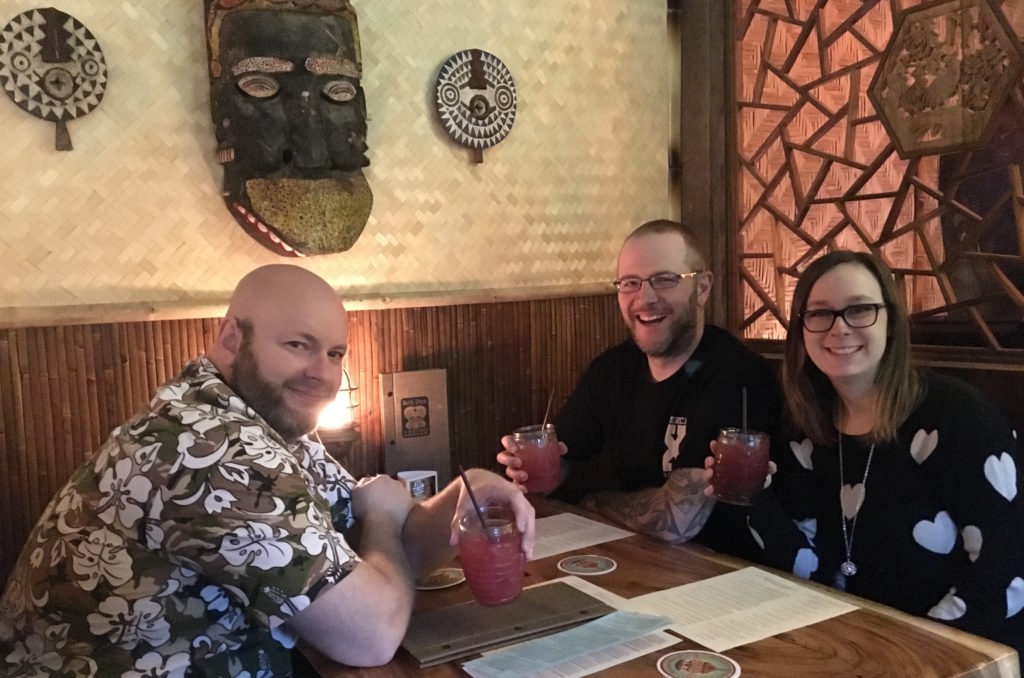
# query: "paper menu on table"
567,532
739,607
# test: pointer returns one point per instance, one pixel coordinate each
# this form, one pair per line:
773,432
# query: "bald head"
276,299
268,288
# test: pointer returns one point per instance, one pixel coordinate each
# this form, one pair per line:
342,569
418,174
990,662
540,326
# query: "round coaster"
586,565
697,664
441,579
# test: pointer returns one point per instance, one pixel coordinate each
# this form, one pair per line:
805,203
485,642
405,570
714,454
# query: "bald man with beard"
209,533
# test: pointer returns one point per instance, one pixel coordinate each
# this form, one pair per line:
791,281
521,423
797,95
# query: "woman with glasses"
907,484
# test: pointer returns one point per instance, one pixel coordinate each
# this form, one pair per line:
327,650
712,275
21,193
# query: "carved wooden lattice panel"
817,169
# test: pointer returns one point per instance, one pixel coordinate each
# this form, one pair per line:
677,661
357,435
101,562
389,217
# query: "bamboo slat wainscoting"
64,388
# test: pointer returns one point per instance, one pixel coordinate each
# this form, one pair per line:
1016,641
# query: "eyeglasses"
658,281
857,316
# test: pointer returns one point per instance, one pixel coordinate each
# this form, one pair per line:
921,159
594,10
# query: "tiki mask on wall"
476,99
290,118
53,67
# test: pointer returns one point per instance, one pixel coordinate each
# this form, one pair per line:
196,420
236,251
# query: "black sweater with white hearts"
940,532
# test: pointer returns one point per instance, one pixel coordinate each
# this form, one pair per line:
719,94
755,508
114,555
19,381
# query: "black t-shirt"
648,428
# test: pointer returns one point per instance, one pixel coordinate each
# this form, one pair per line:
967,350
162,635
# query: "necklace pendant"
848,568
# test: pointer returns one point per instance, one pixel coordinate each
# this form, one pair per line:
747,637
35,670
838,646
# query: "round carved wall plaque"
52,67
476,99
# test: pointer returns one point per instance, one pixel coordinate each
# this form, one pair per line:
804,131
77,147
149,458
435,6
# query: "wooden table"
872,641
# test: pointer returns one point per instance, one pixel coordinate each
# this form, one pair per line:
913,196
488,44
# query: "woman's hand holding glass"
709,471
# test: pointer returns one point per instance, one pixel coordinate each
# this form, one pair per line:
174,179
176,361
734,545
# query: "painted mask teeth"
266,232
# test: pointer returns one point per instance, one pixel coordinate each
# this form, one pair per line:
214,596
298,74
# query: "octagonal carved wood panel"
947,70
817,168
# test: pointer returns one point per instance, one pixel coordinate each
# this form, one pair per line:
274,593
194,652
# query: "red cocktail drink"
741,465
492,559
541,456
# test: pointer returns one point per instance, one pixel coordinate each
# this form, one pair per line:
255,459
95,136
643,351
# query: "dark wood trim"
707,131
927,356
148,311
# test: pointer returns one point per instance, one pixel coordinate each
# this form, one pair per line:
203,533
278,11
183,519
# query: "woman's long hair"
811,400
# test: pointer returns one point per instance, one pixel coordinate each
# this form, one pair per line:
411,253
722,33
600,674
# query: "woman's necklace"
848,569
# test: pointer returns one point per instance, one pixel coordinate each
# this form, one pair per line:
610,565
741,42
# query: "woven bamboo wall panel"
63,389
817,170
134,214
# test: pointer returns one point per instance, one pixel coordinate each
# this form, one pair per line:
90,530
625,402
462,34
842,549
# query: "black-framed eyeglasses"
658,281
857,316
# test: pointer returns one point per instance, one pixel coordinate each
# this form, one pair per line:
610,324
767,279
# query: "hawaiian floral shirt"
181,547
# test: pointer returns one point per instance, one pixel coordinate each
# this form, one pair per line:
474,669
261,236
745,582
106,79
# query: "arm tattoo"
674,512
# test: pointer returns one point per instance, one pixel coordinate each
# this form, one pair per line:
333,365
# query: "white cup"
421,484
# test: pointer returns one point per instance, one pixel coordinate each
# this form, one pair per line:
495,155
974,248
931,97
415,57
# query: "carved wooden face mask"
290,118
53,67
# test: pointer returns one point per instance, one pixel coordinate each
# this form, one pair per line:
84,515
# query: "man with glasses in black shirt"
653,403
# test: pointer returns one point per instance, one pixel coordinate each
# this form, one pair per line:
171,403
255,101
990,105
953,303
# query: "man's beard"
680,334
265,398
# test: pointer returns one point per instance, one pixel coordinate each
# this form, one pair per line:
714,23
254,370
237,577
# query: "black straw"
472,497
744,409
547,411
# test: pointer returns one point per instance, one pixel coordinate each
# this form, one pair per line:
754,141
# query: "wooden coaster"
587,566
441,579
697,664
